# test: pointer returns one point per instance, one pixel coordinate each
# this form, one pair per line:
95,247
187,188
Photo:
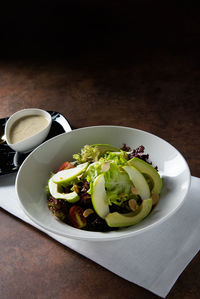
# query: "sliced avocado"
148,170
99,197
121,220
65,176
139,181
71,197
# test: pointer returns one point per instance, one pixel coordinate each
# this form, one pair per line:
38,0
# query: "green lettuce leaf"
120,158
87,154
117,184
93,171
92,153
109,160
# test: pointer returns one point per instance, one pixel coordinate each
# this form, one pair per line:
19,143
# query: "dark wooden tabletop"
129,64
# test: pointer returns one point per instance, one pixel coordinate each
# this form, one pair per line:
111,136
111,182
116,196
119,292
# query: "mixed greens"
104,188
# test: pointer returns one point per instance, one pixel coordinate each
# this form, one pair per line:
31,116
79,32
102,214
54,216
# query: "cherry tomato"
65,165
76,217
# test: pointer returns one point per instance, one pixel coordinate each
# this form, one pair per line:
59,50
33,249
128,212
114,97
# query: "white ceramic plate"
34,173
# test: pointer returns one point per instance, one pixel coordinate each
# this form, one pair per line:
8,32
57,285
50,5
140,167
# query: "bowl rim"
101,236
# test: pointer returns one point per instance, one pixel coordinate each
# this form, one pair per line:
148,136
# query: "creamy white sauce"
27,126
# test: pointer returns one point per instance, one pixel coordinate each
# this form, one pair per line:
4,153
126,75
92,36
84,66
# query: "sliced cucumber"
65,176
71,197
99,197
138,181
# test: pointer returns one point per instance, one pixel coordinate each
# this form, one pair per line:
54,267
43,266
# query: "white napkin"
153,260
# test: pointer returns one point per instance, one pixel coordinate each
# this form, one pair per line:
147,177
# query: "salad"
104,188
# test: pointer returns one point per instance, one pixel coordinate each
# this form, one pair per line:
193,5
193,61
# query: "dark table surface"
131,65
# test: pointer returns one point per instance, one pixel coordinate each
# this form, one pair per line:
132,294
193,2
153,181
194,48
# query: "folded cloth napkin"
154,259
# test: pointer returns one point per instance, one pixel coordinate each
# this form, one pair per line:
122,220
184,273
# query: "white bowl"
33,141
34,174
